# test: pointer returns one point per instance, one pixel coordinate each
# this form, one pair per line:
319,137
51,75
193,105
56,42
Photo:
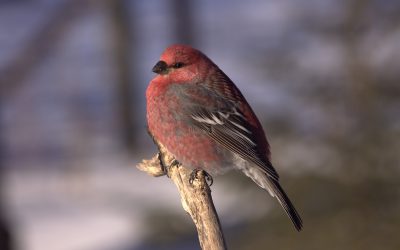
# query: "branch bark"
195,198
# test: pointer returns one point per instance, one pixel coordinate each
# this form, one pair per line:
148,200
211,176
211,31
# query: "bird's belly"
191,146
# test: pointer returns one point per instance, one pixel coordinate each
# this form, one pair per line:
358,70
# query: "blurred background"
323,77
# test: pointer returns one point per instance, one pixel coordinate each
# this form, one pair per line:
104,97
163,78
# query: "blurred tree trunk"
183,22
15,73
13,76
123,48
6,237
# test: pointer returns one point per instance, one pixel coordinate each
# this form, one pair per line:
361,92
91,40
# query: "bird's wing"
230,129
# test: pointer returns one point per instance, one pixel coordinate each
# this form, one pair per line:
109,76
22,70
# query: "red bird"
203,120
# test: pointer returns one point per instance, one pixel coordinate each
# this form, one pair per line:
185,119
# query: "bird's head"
180,63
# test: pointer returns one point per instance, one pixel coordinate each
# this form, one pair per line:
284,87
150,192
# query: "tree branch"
195,198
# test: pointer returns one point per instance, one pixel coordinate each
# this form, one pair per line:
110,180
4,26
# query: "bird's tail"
285,202
273,187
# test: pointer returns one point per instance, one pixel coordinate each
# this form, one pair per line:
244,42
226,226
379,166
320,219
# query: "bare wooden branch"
195,198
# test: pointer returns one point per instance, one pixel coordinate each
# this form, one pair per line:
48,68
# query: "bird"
199,115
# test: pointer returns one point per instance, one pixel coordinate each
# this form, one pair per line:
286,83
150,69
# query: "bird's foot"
165,167
208,177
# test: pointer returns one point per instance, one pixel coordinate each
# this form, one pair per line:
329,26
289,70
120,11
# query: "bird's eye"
177,65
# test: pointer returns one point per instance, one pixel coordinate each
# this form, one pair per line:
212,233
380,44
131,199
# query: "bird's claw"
193,175
165,167
174,163
208,177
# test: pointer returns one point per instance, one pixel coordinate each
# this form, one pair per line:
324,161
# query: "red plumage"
202,118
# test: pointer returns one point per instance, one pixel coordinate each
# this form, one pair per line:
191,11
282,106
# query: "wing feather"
230,129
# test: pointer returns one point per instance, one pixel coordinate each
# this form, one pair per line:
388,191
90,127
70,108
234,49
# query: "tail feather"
275,190
286,204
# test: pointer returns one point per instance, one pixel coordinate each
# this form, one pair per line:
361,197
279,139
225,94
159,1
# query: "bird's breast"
168,123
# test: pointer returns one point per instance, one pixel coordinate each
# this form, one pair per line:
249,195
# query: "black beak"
160,67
